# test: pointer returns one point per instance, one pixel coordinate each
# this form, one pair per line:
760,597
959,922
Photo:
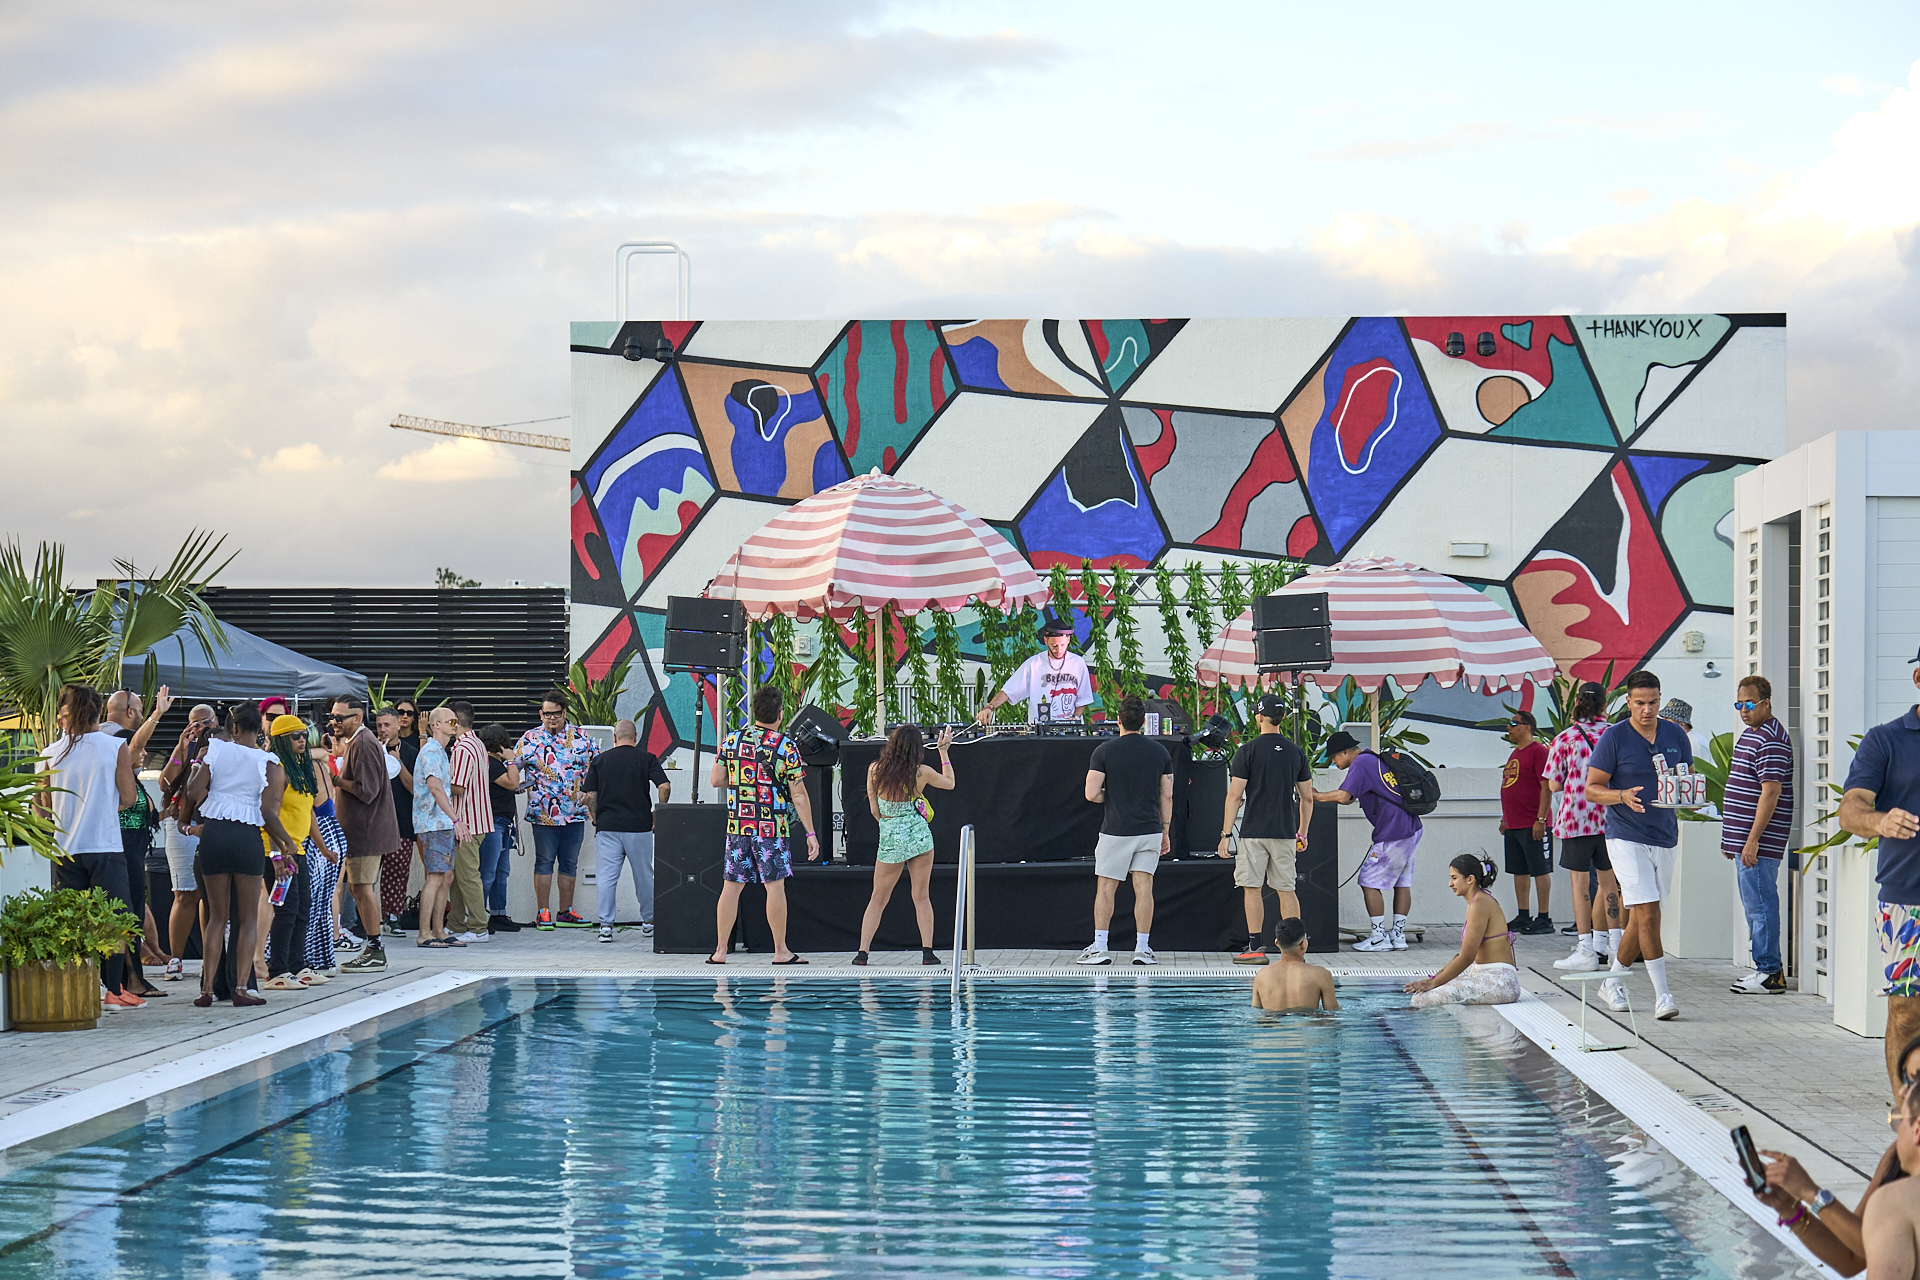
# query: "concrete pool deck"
1775,1063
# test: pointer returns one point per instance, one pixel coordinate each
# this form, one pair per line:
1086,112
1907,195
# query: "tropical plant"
377,693
925,709
445,577
52,636
63,926
1131,669
1714,767
1179,657
1099,637
1351,706
825,676
1232,597
593,701
865,691
1840,836
23,823
1199,608
1558,704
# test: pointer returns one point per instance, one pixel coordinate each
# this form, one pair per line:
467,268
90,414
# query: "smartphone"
1750,1165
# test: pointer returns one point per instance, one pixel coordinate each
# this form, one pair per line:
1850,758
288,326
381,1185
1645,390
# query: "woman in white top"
93,776
236,792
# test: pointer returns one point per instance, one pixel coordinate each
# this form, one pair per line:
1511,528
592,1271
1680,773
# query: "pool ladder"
963,902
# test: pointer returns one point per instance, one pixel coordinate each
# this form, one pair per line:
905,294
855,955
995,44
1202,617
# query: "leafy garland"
951,688
1200,611
924,708
863,687
1179,656
779,630
1132,670
826,676
1099,637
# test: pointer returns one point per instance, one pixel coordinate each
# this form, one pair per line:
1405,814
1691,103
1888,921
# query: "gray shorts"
1114,856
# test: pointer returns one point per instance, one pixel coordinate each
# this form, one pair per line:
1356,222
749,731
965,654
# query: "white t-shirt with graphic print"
1066,686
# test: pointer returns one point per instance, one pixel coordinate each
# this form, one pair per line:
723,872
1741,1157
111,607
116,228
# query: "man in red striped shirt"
1757,819
467,903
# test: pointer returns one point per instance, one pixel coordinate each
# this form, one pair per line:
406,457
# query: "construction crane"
498,435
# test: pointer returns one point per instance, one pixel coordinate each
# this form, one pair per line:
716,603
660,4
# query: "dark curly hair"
897,770
1476,865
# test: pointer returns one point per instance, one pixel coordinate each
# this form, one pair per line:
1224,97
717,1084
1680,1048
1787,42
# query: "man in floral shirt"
762,767
1582,827
554,759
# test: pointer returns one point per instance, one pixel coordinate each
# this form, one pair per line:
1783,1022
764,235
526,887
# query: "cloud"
1459,138
298,458
1845,86
451,462
1628,197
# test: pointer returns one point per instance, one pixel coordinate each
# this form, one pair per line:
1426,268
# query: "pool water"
807,1128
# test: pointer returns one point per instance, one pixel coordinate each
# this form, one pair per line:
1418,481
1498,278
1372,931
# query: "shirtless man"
1292,983
1892,1223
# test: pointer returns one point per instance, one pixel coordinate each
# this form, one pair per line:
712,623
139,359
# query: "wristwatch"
1821,1199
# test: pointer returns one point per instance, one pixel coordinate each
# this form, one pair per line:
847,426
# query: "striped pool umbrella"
1395,619
874,542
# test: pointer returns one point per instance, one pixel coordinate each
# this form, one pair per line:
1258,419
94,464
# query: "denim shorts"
557,844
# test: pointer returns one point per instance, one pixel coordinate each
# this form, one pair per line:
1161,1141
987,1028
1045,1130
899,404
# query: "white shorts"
180,851
1645,871
1114,856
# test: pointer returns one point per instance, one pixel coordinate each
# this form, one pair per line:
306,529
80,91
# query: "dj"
1054,684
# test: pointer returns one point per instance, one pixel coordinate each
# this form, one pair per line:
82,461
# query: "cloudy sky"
236,239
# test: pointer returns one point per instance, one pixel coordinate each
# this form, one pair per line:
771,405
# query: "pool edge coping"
1693,1136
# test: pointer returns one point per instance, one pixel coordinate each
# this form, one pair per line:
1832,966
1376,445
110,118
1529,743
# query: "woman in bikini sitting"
1483,972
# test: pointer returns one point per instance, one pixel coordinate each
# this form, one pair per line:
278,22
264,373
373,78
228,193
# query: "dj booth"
1034,834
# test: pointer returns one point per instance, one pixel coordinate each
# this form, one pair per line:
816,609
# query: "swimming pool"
801,1128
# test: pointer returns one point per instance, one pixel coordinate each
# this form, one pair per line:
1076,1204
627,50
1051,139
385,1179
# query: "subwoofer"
689,861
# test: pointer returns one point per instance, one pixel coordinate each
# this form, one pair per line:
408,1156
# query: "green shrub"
63,925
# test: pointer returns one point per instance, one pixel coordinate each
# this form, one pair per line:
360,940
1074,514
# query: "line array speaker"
697,613
704,650
1286,611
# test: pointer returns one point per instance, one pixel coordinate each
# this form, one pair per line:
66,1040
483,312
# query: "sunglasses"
1747,706
405,711
1895,1120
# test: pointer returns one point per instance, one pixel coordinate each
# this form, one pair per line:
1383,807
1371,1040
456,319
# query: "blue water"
815,1128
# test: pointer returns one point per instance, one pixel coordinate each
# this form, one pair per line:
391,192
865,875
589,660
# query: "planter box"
1702,907
22,870
41,997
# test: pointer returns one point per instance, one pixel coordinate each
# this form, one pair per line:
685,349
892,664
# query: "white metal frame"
683,275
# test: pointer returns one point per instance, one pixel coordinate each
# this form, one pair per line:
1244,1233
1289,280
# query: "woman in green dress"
895,784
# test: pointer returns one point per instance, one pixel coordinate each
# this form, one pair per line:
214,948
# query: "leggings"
395,867
322,876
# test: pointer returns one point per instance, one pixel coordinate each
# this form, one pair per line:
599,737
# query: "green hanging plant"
1233,597
1199,607
1131,670
779,631
1100,639
1061,587
950,688
827,677
1179,656
864,689
925,709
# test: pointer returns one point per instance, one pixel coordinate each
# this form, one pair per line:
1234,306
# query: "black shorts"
231,849
1527,856
1584,853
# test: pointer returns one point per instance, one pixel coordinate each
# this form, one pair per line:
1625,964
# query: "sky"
236,240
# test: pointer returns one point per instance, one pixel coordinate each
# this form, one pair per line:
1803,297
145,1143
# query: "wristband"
1799,1216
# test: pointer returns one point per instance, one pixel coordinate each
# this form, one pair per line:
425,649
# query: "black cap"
1054,627
1592,688
1340,741
1272,706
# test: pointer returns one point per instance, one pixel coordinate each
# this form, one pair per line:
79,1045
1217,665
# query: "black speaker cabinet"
1281,612
704,650
697,613
1296,647
818,735
1319,884
1206,805
689,855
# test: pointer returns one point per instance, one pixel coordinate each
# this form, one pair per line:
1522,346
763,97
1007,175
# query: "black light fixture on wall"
1456,344
1485,345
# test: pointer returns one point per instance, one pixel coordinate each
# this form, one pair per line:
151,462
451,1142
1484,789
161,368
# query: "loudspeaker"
817,735
1284,611
697,613
1297,647
689,859
1172,716
1318,886
1206,805
704,650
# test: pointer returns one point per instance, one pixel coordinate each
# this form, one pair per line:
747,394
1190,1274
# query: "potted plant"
52,941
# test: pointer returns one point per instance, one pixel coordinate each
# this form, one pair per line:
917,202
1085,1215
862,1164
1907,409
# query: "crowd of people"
290,847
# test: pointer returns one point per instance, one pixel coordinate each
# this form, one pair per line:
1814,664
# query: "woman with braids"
1483,972
896,783
292,915
91,774
239,790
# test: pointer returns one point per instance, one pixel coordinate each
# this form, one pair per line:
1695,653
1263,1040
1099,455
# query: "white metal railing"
963,907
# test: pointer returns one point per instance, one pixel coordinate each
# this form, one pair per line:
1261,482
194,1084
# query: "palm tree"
52,636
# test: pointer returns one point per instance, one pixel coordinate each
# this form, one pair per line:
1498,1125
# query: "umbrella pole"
879,675
1373,713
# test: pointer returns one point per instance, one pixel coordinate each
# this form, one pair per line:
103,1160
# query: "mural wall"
1578,468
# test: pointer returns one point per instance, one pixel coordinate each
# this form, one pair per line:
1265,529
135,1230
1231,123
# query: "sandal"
437,943
791,960
927,956
284,982
452,942
859,957
711,960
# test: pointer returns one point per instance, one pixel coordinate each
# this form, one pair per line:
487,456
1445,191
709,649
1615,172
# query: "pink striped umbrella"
875,541
1395,619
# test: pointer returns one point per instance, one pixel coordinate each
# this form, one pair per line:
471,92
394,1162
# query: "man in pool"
1292,983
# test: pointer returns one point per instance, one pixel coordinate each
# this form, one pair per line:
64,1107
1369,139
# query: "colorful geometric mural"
1316,439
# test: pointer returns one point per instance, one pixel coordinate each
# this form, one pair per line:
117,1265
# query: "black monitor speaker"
1173,716
689,865
817,735
1296,647
697,613
704,650
1286,610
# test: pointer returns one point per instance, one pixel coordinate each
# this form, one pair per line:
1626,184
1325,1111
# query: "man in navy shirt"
1621,775
1881,799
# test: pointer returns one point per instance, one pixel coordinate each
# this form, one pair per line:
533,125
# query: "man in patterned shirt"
1582,828
762,767
554,760
1757,819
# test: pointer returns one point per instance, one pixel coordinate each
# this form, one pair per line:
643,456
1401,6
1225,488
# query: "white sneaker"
1375,941
1665,1009
1613,995
1580,960
646,928
1144,955
1094,955
1397,938
1754,984
471,938
606,933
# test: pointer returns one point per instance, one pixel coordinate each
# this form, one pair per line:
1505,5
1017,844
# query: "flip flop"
433,942
793,960
711,960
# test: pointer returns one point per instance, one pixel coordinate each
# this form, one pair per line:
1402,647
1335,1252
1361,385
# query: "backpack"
1418,790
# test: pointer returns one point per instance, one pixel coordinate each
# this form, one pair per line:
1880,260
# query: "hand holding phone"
1751,1167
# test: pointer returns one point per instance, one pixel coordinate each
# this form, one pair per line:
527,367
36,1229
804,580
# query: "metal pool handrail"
963,906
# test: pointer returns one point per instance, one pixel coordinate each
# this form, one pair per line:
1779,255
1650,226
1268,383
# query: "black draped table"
1025,796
